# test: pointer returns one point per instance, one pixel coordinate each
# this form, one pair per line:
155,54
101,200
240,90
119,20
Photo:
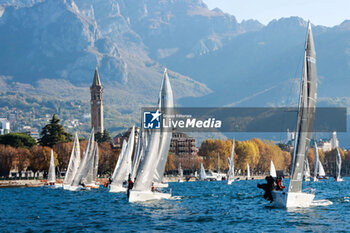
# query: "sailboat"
231,167
181,174
307,170
153,164
338,177
51,177
294,197
248,172
321,175
79,181
273,170
91,181
202,175
119,181
74,163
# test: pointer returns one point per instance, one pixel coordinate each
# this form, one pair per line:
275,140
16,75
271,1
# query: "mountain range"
50,48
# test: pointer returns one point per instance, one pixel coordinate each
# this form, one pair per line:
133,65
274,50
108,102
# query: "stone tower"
96,91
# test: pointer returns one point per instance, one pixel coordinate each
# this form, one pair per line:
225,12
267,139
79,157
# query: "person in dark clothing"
268,187
130,185
279,182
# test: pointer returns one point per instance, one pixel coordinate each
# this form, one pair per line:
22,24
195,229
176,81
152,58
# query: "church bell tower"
96,102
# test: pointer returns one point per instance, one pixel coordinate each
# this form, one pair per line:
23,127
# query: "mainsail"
125,163
306,113
52,173
165,103
338,165
202,175
137,155
272,170
317,160
156,152
84,168
120,158
307,169
95,167
74,162
231,167
248,171
180,171
321,171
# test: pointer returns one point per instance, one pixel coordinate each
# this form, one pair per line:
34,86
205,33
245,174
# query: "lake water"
196,206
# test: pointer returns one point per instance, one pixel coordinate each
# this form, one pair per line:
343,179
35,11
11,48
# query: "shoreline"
41,182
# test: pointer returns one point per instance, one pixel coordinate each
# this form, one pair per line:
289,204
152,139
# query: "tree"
17,140
54,133
7,156
103,137
40,158
170,166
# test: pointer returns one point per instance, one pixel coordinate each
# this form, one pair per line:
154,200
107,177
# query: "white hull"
339,179
315,179
117,189
230,182
292,200
93,186
161,185
181,181
54,186
76,188
139,196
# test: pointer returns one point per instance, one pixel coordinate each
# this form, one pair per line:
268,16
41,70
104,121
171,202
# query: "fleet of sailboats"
154,160
144,162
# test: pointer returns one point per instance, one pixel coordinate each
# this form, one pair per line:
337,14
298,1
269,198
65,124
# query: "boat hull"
93,186
229,182
292,200
76,188
161,185
116,189
140,196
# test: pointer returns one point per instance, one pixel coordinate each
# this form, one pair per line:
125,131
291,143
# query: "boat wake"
176,198
321,203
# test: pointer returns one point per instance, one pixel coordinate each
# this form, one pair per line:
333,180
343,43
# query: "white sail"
85,164
338,165
154,160
272,170
307,170
137,155
317,159
120,158
248,171
52,173
125,164
321,171
165,103
231,167
96,158
180,171
74,162
202,175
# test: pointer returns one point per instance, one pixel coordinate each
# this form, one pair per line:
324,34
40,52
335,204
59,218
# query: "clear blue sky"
320,12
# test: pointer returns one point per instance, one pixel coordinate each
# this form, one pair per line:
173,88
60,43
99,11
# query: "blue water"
197,206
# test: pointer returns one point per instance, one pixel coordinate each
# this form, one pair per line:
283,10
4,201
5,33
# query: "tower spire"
96,81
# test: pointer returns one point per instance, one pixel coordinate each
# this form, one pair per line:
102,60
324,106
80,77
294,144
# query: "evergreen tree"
54,133
103,137
17,140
